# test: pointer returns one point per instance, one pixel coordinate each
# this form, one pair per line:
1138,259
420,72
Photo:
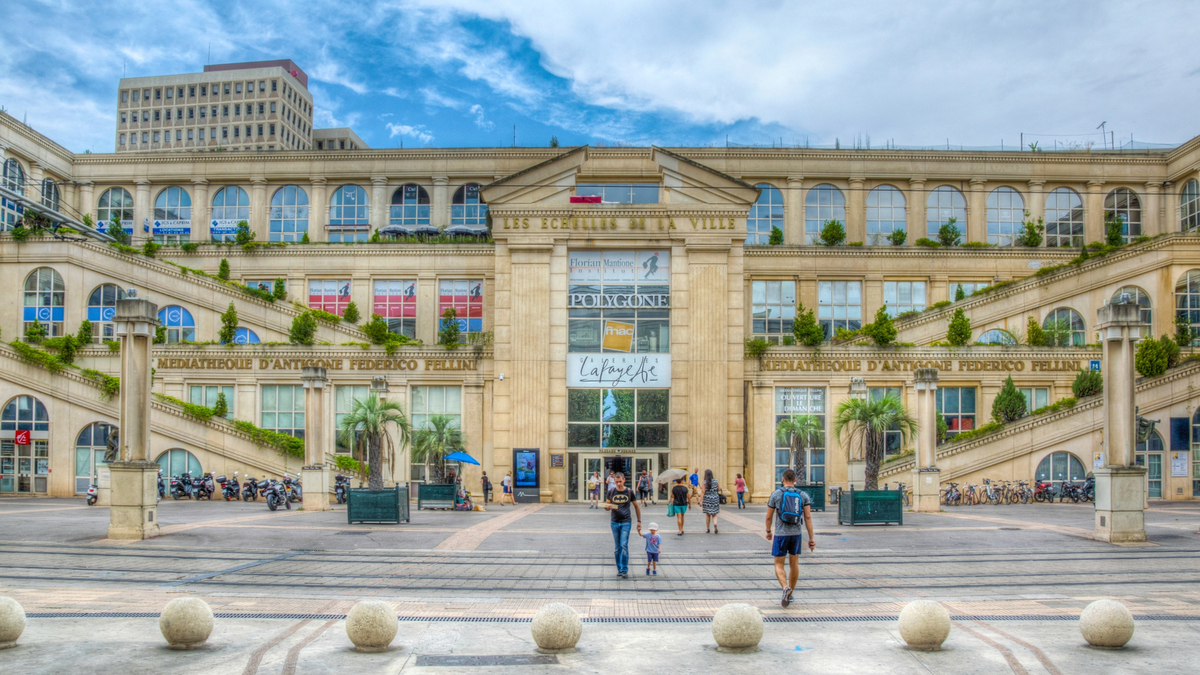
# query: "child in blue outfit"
653,542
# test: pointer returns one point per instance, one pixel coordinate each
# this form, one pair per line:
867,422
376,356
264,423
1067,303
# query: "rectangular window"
1035,397
206,395
201,134
238,88
330,295
169,92
804,404
957,406
272,107
260,108
168,115
272,128
157,94
191,113
249,128
214,111
619,301
226,90
224,111
123,116
180,92
191,92
430,401
618,419
237,109
156,137
179,134
893,441
320,145
903,296
145,94
260,130
224,132
204,90
262,85
157,115
773,308
283,409
466,298
202,113
122,139
273,88
124,97
620,193
396,301
237,132
345,396
968,288
839,305
190,134
145,137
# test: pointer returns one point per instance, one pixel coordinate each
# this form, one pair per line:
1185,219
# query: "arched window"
14,176
289,214
765,214
1064,218
90,447
24,413
1189,206
885,214
115,203
175,462
1064,328
179,324
468,209
172,216
996,336
823,203
410,206
349,212
24,468
245,336
1005,216
102,306
944,203
230,205
1140,297
1060,466
45,296
1148,453
1187,302
1123,204
50,194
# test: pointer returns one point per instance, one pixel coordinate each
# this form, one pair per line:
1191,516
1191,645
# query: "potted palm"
804,432
867,419
366,429
438,437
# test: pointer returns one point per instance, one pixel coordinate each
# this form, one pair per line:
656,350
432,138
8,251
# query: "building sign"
909,365
22,437
223,227
592,223
173,227
1179,464
618,336
292,363
619,300
1094,364
619,370
556,460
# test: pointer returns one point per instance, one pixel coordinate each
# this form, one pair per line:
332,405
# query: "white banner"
620,371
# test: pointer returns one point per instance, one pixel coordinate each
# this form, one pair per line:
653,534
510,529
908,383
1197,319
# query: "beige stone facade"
558,276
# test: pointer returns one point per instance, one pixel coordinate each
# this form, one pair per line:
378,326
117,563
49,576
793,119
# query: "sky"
469,73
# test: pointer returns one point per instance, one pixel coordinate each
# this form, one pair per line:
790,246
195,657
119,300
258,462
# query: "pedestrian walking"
611,483
617,503
740,484
506,489
487,487
644,486
593,486
710,503
653,543
679,503
788,514
695,480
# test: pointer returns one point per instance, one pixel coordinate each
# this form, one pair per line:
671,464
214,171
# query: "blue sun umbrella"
461,457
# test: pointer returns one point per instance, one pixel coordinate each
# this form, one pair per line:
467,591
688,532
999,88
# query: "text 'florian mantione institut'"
613,303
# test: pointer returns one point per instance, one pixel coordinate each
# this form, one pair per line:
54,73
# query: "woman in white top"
506,486
593,487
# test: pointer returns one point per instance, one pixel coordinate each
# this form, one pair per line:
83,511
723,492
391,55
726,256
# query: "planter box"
861,507
436,496
364,505
816,491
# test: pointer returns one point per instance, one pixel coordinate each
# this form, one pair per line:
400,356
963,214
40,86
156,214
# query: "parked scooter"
250,489
181,486
92,494
1043,491
203,487
341,488
162,485
230,489
292,485
276,494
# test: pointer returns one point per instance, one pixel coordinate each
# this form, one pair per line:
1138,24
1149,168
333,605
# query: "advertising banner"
223,226
173,227
526,478
619,370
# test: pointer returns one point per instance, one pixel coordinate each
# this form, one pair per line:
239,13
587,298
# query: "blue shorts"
790,545
651,557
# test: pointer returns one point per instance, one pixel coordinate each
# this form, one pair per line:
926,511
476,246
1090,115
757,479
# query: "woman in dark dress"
711,501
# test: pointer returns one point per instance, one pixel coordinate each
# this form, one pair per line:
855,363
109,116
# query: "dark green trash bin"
436,495
364,505
862,507
816,491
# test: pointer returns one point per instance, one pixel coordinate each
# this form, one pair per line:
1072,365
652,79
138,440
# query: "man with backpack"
788,513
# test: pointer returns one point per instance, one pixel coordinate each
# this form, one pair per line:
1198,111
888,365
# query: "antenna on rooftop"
1103,134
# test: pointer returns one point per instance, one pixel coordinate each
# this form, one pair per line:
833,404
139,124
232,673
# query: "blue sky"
459,73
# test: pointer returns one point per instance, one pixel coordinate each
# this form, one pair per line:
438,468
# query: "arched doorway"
1060,467
90,446
176,461
1149,454
24,446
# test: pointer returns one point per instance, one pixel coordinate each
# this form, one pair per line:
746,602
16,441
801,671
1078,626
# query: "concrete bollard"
556,628
12,622
737,627
186,623
372,625
1106,624
924,625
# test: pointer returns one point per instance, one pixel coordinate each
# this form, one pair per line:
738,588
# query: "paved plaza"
465,585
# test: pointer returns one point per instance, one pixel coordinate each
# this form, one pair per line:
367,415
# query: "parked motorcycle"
203,487
181,486
162,485
292,485
250,489
92,494
1088,491
1070,491
230,489
276,493
341,488
1043,491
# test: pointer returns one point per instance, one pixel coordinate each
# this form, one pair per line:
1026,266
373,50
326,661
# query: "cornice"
327,250
974,353
811,251
318,352
1154,158
39,139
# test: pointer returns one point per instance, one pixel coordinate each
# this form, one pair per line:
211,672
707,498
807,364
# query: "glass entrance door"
631,465
1149,454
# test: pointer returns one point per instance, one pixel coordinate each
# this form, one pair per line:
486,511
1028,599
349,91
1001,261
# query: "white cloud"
481,120
331,72
418,132
434,97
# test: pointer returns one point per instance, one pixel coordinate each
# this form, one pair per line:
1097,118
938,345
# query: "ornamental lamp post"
856,467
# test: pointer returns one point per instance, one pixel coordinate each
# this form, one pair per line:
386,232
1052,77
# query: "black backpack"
790,509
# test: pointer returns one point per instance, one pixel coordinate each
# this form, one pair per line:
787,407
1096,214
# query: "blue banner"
43,314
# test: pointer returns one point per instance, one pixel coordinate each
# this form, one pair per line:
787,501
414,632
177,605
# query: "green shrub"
229,325
448,333
855,243
959,293
1087,383
942,428
327,317
1112,230
1151,358
833,233
109,386
304,329
351,313
256,292
949,234
940,304
150,248
117,232
927,243
1183,330
189,247
35,332
279,292
114,346
898,237
66,346
244,235
160,335
1009,405
20,233
34,355
84,334
776,237
221,407
789,340
982,430
881,330
1033,234
223,270
1034,335
305,239
756,347
959,333
806,329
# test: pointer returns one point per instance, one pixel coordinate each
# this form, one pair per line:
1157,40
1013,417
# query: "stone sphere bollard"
12,622
186,623
372,625
924,625
737,627
1106,624
556,628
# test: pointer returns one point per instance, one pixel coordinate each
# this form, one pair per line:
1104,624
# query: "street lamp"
379,385
858,388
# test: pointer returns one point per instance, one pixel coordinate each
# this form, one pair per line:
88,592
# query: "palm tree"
803,432
439,437
870,419
367,424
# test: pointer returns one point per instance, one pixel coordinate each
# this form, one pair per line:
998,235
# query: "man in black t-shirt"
618,502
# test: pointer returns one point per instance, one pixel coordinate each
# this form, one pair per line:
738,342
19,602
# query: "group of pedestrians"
789,516
505,486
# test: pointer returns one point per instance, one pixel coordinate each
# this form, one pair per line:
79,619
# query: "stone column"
439,214
761,481
915,209
856,212
1151,205
315,473
142,210
856,464
793,211
472,429
976,227
318,211
258,209
1093,212
428,318
529,367
134,511
379,203
1036,203
1120,484
200,211
87,202
926,480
